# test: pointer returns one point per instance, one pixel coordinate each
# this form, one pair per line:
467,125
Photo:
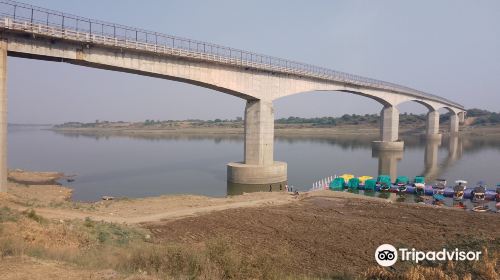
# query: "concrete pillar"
3,116
454,123
432,126
432,122
461,117
259,132
389,126
258,166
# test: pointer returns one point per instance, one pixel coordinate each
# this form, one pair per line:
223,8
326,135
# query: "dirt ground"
53,201
324,234
34,178
319,233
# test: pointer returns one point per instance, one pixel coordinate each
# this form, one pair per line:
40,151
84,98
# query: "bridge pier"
3,116
454,123
432,127
258,167
389,127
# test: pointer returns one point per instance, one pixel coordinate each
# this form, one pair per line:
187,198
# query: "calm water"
145,166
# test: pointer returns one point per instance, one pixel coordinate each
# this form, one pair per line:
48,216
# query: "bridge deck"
40,21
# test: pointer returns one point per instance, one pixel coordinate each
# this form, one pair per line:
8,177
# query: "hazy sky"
449,48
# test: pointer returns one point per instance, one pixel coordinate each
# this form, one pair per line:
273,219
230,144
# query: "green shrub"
34,216
7,215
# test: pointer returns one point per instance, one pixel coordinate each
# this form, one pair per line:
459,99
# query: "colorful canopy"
346,177
370,184
384,179
353,183
362,179
420,179
402,180
337,184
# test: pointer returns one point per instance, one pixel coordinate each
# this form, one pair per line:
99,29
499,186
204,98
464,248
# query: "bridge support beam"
258,166
432,128
3,116
259,132
461,117
454,124
389,127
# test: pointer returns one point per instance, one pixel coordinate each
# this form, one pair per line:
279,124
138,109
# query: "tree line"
481,117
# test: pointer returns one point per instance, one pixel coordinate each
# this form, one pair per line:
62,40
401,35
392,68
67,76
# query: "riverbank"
368,131
258,236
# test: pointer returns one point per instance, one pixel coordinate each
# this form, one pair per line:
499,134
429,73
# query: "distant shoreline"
338,131
222,130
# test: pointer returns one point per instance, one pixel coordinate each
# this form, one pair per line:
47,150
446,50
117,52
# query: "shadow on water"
217,137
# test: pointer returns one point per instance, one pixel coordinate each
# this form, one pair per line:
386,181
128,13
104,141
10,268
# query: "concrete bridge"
37,33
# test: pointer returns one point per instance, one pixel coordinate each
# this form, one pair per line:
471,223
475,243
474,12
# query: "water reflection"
388,162
433,168
153,136
138,165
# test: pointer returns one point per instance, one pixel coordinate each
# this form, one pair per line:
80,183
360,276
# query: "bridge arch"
339,89
451,110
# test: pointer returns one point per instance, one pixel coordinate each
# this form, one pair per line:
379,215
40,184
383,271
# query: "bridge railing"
37,20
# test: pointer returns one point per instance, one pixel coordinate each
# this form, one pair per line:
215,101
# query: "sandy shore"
38,191
223,131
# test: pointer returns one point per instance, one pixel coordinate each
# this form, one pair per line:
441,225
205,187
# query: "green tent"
420,180
370,185
353,184
384,179
402,180
337,184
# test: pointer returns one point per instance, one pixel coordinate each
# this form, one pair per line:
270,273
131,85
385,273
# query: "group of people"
287,189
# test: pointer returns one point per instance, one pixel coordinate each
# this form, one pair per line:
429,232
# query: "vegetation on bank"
481,117
92,245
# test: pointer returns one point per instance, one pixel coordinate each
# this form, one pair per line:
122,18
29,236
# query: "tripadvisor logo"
387,255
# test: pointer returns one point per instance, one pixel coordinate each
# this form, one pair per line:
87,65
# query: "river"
139,166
